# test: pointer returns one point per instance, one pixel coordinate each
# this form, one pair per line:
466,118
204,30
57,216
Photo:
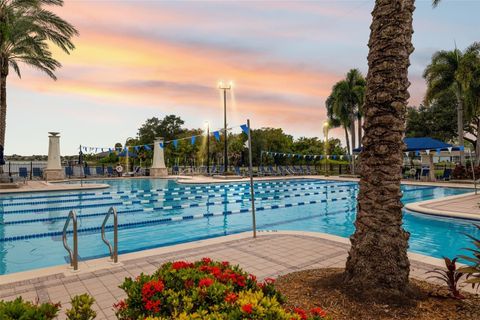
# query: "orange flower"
247,308
231,297
318,312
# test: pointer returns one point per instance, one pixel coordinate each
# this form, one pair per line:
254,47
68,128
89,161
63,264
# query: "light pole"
325,147
208,147
225,86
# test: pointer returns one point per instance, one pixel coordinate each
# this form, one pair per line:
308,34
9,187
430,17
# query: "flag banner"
427,151
449,149
439,151
334,157
216,134
406,154
461,148
147,147
136,148
417,153
110,150
175,143
244,128
192,140
341,157
161,145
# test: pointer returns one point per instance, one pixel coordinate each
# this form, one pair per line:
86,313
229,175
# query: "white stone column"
54,167
158,168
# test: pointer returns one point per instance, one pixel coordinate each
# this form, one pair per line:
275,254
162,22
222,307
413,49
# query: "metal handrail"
73,255
114,250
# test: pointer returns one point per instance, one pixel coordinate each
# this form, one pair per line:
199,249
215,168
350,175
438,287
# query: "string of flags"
148,147
438,151
308,156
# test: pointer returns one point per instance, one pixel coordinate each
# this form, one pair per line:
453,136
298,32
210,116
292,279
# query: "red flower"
252,277
225,263
301,313
177,265
206,260
152,287
153,306
240,281
205,282
269,280
318,312
247,308
189,283
231,297
120,305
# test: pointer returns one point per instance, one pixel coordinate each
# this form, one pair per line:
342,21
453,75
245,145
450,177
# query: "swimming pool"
156,212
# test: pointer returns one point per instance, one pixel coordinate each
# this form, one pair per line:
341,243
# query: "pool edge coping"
88,266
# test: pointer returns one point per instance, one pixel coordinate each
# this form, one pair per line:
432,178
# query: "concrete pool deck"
465,206
43,186
270,255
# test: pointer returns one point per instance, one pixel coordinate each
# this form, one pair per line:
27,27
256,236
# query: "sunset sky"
138,59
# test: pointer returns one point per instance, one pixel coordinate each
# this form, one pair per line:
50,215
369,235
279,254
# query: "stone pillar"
158,168
54,167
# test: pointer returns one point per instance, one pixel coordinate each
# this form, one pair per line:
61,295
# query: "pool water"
155,212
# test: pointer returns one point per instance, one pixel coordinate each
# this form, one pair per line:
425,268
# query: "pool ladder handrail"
73,255
114,250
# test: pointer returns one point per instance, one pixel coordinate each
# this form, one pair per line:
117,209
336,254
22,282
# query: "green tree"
27,29
170,127
436,121
377,263
451,70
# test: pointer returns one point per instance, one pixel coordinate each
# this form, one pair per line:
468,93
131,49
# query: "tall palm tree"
471,85
346,100
449,70
27,28
338,120
377,262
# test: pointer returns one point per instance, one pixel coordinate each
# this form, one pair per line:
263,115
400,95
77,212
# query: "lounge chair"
283,172
222,170
425,173
297,170
273,172
307,170
138,171
446,174
23,173
238,172
110,171
262,171
69,171
86,171
99,171
37,173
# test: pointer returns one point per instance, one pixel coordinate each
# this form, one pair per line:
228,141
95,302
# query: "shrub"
473,270
81,308
450,277
24,310
203,290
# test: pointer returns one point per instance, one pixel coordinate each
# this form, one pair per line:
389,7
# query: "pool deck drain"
270,255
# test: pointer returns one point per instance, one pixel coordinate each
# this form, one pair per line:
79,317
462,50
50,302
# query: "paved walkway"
460,206
270,255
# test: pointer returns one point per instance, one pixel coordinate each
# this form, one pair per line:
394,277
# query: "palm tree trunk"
477,144
3,107
347,141
377,263
359,131
460,124
352,132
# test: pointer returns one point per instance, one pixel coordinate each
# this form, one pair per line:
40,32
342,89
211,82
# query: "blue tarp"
426,143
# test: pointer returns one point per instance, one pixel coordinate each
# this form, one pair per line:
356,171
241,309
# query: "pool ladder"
72,216
114,250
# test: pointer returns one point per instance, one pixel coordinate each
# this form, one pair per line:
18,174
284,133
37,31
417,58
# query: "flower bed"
205,290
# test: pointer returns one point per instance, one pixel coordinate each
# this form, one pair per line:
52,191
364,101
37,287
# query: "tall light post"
208,146
325,147
225,87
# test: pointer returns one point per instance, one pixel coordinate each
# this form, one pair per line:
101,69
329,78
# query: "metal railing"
73,255
114,250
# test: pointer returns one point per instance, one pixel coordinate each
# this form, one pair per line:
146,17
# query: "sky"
138,59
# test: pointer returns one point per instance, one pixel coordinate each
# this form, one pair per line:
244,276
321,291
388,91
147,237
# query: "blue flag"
417,153
216,134
244,128
438,151
147,147
175,143
193,140
161,145
136,148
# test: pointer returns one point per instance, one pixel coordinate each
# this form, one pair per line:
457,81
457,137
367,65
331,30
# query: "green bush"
81,308
204,290
24,310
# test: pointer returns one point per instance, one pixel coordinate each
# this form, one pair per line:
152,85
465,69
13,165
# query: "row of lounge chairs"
101,171
285,170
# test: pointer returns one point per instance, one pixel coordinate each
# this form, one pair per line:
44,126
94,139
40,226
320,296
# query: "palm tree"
26,29
377,263
345,102
449,70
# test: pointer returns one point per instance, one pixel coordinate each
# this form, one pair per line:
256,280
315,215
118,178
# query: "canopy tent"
422,144
430,146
